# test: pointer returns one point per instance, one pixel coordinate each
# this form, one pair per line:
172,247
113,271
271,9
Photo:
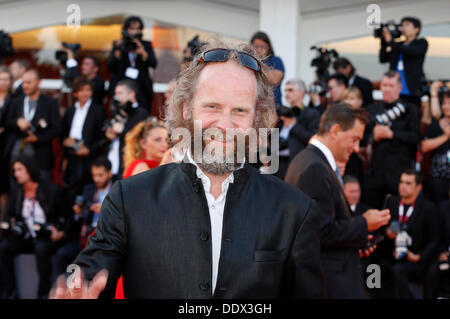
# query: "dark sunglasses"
223,55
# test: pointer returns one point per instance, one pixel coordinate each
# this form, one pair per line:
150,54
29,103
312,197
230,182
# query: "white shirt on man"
79,117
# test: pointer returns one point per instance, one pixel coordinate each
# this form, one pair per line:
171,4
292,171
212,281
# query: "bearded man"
211,226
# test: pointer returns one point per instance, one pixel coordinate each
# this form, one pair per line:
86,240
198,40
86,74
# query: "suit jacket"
422,226
78,168
154,228
391,157
5,132
307,125
366,88
46,111
118,67
341,232
444,222
413,58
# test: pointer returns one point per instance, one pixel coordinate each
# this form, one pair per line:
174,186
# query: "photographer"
393,134
406,57
413,235
344,66
34,203
126,114
336,86
87,207
33,121
82,137
18,68
89,68
263,47
437,141
130,58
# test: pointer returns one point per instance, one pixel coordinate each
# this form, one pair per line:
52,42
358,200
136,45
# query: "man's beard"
229,158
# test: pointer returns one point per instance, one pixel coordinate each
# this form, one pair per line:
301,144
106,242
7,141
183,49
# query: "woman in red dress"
145,146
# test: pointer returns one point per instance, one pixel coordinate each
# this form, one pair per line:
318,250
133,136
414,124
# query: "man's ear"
334,130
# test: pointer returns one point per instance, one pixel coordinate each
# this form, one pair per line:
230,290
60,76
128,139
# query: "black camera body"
6,48
393,27
128,43
194,46
322,62
61,55
119,116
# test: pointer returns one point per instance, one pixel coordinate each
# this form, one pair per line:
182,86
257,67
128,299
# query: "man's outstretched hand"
81,289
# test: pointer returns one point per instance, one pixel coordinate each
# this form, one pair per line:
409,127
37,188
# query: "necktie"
338,175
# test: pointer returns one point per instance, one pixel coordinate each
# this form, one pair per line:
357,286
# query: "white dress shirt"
326,151
76,129
216,208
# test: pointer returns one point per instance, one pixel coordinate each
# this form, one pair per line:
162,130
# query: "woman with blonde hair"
353,97
145,146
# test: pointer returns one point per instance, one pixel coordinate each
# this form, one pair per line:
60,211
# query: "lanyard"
404,219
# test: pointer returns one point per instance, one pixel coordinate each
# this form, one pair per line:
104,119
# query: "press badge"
131,73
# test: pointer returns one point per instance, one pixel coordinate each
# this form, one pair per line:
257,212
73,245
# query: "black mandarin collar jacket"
154,229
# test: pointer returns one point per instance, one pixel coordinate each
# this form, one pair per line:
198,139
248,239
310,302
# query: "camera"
322,62
393,27
6,48
128,41
427,83
13,229
194,46
317,87
120,115
61,55
390,115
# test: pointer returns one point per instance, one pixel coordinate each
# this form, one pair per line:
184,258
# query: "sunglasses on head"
223,55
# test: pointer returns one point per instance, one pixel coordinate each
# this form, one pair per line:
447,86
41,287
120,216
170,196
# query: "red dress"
127,173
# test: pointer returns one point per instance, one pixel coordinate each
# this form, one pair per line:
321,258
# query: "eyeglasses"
223,55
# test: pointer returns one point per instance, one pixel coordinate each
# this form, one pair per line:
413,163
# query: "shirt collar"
352,79
85,107
326,151
205,179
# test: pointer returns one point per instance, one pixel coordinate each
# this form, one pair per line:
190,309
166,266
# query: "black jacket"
413,59
366,88
307,125
4,132
117,67
422,226
391,157
154,229
444,222
93,138
47,112
341,232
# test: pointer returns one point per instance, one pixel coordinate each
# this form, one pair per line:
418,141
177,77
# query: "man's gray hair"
299,83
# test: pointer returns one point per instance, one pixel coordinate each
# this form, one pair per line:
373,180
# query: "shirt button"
213,207
228,239
204,236
204,286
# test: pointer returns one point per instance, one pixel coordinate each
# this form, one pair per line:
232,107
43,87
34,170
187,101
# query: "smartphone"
387,201
375,240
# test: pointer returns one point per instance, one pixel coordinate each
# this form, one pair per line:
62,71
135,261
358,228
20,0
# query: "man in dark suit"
130,58
416,216
204,229
406,57
34,122
352,190
130,113
393,134
342,234
82,138
344,66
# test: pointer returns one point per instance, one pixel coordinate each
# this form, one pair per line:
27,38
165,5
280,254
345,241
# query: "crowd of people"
343,149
